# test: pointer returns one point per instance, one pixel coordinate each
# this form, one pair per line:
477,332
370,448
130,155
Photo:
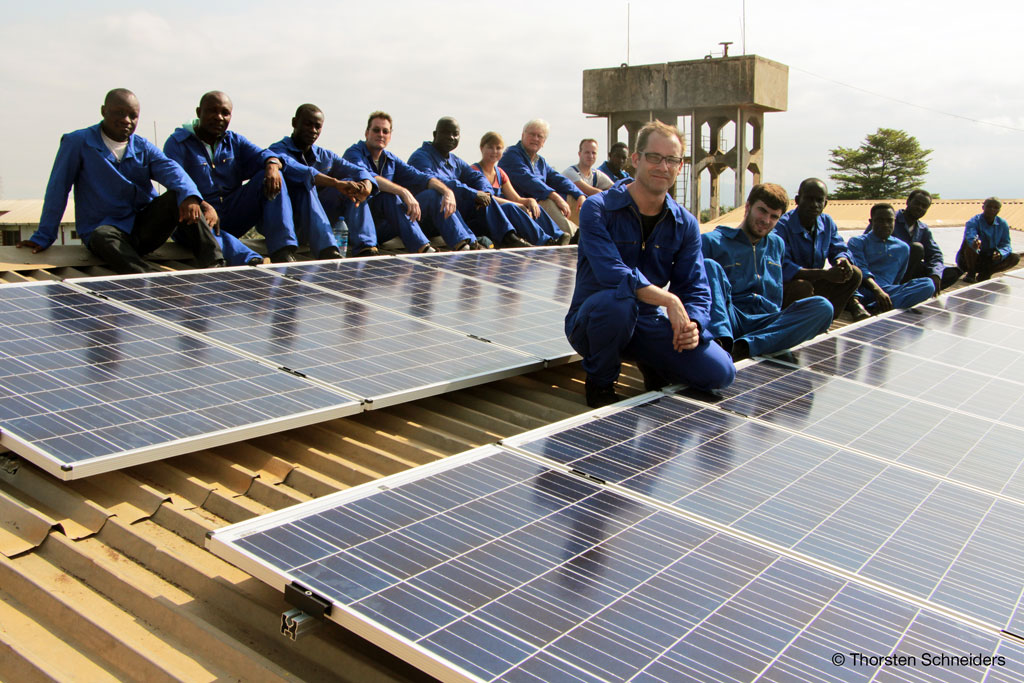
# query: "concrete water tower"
713,91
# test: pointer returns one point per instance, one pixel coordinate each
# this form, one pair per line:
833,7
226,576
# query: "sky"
932,69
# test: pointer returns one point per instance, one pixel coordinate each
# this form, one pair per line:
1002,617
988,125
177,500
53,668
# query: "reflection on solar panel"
366,351
439,297
86,387
938,541
566,257
916,375
492,567
962,447
531,276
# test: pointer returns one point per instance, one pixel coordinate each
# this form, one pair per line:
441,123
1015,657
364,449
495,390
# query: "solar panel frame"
700,603
370,353
80,381
446,299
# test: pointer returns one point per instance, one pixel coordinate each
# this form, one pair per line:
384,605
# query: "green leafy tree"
889,163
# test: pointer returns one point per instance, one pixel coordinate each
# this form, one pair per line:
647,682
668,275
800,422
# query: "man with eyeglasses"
396,210
641,292
533,177
744,269
811,238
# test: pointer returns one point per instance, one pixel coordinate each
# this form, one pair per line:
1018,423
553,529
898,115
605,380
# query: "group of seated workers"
684,306
220,185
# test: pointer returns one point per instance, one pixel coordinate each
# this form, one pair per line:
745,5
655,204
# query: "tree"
889,163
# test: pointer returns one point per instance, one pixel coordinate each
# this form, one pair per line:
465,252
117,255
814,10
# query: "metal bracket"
306,600
295,623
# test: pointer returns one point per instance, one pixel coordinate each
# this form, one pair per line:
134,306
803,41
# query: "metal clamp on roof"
297,595
295,623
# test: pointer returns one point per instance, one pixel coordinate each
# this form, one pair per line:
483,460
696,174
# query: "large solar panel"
520,321
86,387
566,257
493,567
532,276
949,443
949,544
371,353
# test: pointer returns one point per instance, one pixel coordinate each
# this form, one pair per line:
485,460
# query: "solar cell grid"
907,530
565,581
85,385
566,257
527,323
366,351
531,276
944,442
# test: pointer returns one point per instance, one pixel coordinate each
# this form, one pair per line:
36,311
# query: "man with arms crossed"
118,214
342,187
636,241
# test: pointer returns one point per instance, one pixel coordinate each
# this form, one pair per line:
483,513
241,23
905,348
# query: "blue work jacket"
803,251
450,170
235,160
615,176
884,261
932,254
392,168
534,179
754,271
322,160
995,235
613,254
107,191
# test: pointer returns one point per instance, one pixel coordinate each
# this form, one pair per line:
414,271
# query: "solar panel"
439,297
566,257
86,387
366,351
962,447
949,544
530,276
911,374
489,566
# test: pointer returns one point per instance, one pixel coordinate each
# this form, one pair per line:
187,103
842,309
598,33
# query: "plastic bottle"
340,228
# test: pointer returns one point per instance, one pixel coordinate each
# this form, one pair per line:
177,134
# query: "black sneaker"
601,396
856,309
255,261
329,253
427,249
284,255
653,380
512,240
368,251
563,239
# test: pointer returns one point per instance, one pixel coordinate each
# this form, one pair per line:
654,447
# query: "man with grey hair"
986,246
533,177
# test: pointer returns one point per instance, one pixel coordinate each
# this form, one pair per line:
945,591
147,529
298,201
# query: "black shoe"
856,309
564,239
476,246
653,380
512,240
328,253
427,249
575,239
970,278
740,350
464,245
601,396
219,263
368,251
284,255
255,261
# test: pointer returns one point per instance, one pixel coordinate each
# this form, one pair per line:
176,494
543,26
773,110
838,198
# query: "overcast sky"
496,65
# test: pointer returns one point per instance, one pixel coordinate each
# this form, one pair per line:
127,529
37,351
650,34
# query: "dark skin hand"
483,199
272,180
884,302
356,190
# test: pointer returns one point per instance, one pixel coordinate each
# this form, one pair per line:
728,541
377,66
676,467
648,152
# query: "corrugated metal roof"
23,212
852,214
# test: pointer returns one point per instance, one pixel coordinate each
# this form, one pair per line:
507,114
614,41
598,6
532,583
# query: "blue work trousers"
764,332
608,328
248,207
907,295
390,221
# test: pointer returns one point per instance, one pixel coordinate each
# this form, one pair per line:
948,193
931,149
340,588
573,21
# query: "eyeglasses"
656,159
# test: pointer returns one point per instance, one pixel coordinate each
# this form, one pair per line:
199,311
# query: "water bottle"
340,228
